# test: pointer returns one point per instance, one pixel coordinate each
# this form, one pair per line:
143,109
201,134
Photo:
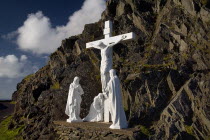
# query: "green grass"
172,27
98,77
204,2
55,86
27,78
92,37
157,66
144,130
6,134
189,129
127,81
13,102
185,55
166,58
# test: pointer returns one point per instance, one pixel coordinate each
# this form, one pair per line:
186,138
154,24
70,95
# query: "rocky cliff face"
165,72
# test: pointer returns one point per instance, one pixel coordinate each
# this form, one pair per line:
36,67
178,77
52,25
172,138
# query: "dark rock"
11,125
164,73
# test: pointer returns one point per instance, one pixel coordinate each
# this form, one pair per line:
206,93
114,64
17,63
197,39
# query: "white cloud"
38,36
12,67
23,58
12,71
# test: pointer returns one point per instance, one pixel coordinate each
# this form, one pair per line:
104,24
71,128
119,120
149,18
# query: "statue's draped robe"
74,101
116,108
96,111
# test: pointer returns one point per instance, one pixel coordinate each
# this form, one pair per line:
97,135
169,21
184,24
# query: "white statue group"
109,102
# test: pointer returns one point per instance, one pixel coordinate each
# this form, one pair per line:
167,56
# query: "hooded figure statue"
96,110
115,98
74,101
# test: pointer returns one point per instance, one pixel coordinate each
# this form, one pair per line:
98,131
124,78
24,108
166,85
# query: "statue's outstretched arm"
100,45
111,44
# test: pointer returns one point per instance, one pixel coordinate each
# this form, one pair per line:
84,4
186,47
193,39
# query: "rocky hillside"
165,72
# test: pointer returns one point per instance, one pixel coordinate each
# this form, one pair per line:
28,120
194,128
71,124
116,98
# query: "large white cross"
108,35
105,45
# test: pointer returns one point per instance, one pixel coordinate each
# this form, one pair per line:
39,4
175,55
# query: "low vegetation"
204,2
144,130
189,129
55,86
27,78
13,102
7,134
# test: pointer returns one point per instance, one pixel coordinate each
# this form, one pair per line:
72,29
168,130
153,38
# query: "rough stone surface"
92,131
165,72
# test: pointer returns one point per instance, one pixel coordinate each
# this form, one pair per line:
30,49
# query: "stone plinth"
92,131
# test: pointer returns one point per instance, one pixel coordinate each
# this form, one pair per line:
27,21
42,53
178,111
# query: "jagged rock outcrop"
165,72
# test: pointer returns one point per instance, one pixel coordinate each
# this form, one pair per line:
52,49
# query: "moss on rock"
9,134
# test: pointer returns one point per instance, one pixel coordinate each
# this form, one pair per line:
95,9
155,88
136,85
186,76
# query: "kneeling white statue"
96,110
74,101
115,98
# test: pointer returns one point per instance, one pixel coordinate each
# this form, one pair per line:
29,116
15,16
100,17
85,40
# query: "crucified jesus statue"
106,60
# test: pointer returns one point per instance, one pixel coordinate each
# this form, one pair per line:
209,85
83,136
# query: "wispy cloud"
39,37
10,36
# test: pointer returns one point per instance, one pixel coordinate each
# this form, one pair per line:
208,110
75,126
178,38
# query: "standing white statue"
74,101
106,45
96,110
115,98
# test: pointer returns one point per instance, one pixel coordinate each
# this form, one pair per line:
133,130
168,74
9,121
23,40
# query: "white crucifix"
105,45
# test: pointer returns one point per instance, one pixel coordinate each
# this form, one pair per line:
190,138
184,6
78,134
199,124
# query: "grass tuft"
13,102
189,129
27,78
55,86
144,130
204,2
5,133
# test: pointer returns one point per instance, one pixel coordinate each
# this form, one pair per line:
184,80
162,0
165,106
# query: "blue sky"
30,30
